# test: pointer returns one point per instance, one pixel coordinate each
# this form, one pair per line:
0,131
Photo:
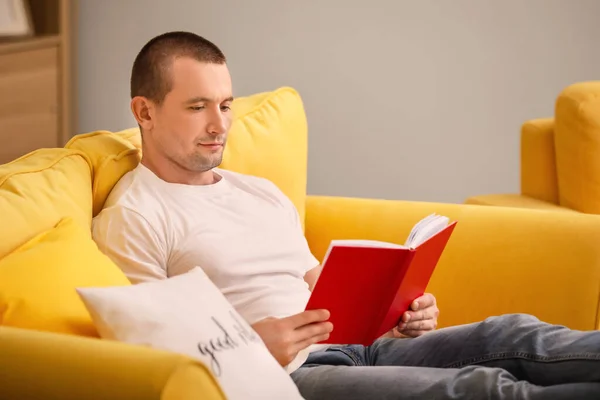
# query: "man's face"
190,127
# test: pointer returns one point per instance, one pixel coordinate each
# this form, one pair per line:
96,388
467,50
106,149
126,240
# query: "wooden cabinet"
36,83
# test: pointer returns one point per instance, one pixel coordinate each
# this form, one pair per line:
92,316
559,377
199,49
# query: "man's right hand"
285,337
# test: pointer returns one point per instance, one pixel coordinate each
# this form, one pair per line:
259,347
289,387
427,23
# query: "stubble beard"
198,162
201,163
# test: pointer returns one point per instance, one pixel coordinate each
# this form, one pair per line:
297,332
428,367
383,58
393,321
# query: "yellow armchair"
499,260
560,157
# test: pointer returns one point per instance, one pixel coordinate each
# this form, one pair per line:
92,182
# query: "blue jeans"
508,357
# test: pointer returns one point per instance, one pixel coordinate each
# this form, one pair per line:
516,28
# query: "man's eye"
197,108
225,108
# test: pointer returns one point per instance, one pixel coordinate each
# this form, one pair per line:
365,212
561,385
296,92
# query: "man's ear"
143,110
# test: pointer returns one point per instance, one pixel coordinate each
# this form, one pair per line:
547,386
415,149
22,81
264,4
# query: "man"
178,210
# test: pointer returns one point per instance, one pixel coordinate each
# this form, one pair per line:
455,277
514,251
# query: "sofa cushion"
577,144
188,314
111,157
39,189
268,138
38,280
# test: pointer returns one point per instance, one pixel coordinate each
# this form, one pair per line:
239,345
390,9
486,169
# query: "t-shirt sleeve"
130,241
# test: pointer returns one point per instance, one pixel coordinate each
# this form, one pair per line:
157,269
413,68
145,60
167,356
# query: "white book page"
418,227
429,227
366,243
423,230
361,243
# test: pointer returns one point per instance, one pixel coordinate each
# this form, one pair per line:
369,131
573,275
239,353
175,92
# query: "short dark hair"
149,75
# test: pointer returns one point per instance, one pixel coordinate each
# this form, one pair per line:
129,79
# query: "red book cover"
367,285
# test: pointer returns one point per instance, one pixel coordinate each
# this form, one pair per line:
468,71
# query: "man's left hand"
421,318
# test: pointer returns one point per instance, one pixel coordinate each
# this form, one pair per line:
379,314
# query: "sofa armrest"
515,200
499,260
42,365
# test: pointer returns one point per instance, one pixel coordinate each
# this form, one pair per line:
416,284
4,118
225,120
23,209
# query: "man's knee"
512,320
480,383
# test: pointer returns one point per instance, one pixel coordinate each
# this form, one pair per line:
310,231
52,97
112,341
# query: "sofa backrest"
577,146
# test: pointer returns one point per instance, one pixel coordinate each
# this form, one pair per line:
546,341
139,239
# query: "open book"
367,285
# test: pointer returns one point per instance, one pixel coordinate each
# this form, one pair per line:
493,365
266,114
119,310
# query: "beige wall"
417,100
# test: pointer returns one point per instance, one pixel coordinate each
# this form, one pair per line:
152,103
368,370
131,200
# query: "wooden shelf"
37,75
30,43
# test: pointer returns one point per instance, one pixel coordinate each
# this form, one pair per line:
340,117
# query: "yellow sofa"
560,157
499,260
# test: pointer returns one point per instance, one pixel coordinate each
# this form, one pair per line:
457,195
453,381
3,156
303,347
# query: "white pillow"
189,315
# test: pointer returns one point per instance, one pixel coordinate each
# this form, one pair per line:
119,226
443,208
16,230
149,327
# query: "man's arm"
312,275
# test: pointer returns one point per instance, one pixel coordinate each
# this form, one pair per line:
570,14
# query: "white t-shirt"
242,231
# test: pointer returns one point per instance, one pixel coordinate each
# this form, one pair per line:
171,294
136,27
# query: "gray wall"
416,100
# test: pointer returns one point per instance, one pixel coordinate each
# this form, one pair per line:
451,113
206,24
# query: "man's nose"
218,122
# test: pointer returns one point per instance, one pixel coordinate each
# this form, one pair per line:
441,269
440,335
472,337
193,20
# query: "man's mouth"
211,145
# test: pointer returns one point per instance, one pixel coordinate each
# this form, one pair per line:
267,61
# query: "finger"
405,318
299,346
424,325
414,334
307,317
312,330
409,316
424,301
428,313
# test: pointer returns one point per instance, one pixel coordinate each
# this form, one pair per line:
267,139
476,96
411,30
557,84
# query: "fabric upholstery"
515,200
38,365
38,280
111,156
38,190
577,140
538,162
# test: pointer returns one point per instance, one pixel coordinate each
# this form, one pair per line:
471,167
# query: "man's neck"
172,173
